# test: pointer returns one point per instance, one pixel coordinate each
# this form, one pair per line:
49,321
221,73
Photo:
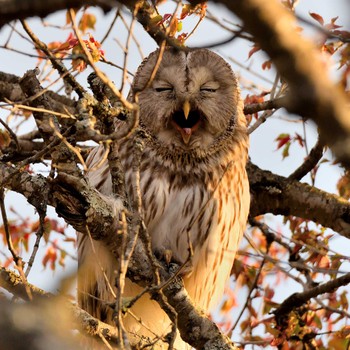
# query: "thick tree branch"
279,195
13,283
271,194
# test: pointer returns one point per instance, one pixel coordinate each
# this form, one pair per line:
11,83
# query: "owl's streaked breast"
208,213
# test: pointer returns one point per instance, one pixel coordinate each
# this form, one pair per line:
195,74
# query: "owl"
194,186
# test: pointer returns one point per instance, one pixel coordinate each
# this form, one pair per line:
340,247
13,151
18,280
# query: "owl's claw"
167,255
183,269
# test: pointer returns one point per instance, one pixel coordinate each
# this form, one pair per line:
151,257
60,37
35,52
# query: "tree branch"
11,10
10,90
263,106
89,325
310,162
278,195
298,299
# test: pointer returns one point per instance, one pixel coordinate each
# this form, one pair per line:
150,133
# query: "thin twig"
40,110
310,161
127,46
110,26
137,43
17,259
39,235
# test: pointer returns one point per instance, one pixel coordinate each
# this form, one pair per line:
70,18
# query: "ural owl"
193,183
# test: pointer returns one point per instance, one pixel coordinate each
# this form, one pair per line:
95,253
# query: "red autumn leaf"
300,140
323,262
166,17
317,17
182,37
253,50
70,42
269,293
332,25
282,140
54,45
173,26
267,65
228,304
188,9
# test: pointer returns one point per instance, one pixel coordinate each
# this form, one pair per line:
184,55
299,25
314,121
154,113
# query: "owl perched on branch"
193,182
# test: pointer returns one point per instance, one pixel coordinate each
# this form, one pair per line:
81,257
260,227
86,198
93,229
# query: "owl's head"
191,100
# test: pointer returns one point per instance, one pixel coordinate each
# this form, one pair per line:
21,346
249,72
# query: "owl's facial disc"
186,121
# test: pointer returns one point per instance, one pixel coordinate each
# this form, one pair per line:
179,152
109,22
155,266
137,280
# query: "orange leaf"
50,257
228,304
87,21
173,27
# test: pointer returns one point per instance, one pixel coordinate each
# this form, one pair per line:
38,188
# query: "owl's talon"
167,255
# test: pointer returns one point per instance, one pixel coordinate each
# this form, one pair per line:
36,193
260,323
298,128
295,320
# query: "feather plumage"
193,182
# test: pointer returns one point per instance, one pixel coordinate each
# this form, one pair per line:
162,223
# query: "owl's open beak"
186,121
186,132
186,108
186,135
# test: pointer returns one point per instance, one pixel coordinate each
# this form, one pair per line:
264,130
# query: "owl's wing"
96,264
98,173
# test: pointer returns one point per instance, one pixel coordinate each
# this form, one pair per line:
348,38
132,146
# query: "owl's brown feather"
192,177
